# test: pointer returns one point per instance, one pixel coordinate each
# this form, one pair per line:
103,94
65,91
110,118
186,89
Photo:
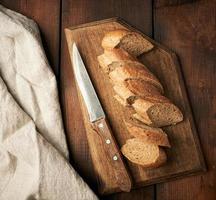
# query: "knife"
98,120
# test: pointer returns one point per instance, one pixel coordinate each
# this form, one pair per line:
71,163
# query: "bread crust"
130,63
159,159
143,107
130,90
126,72
141,88
126,95
116,38
144,119
148,134
113,38
113,55
120,100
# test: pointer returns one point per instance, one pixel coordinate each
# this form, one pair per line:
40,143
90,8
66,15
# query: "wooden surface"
188,29
163,63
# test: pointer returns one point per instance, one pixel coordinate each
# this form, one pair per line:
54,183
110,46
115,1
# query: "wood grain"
120,174
73,13
162,3
47,15
164,64
190,31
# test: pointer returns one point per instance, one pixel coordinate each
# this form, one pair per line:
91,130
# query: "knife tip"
74,46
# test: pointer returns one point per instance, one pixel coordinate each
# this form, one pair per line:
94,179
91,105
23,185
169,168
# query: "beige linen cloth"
33,150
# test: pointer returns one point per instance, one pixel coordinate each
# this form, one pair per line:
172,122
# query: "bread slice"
157,111
113,38
121,101
144,154
113,55
147,134
121,63
130,41
120,74
124,95
142,88
142,119
130,90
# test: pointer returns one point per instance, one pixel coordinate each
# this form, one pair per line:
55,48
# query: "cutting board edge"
196,138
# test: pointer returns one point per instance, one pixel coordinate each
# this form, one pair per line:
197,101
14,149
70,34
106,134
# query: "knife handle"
110,146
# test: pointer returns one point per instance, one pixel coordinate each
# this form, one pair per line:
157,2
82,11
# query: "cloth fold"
28,76
33,150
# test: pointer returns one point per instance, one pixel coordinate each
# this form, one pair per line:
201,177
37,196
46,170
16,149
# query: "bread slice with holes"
113,55
132,42
147,134
126,72
144,154
157,111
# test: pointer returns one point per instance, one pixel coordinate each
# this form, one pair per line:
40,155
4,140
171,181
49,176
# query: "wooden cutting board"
184,158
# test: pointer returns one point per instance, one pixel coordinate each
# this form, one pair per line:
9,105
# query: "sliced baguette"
157,111
121,63
130,90
142,119
121,101
148,134
142,88
144,154
131,42
120,74
113,55
124,95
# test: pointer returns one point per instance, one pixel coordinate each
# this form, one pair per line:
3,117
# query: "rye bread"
147,134
121,63
157,111
113,55
141,88
137,87
131,89
120,74
121,101
124,95
144,154
130,41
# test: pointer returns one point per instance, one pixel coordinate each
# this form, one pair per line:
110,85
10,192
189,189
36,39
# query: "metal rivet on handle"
108,141
115,158
100,125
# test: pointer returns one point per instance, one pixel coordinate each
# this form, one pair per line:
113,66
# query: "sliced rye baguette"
123,95
130,89
120,100
130,41
113,55
147,134
144,154
142,119
157,111
141,88
121,63
120,74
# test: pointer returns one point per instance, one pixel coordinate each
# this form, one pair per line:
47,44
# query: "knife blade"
98,120
89,95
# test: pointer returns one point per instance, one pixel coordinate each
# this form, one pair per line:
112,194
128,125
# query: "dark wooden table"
188,27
